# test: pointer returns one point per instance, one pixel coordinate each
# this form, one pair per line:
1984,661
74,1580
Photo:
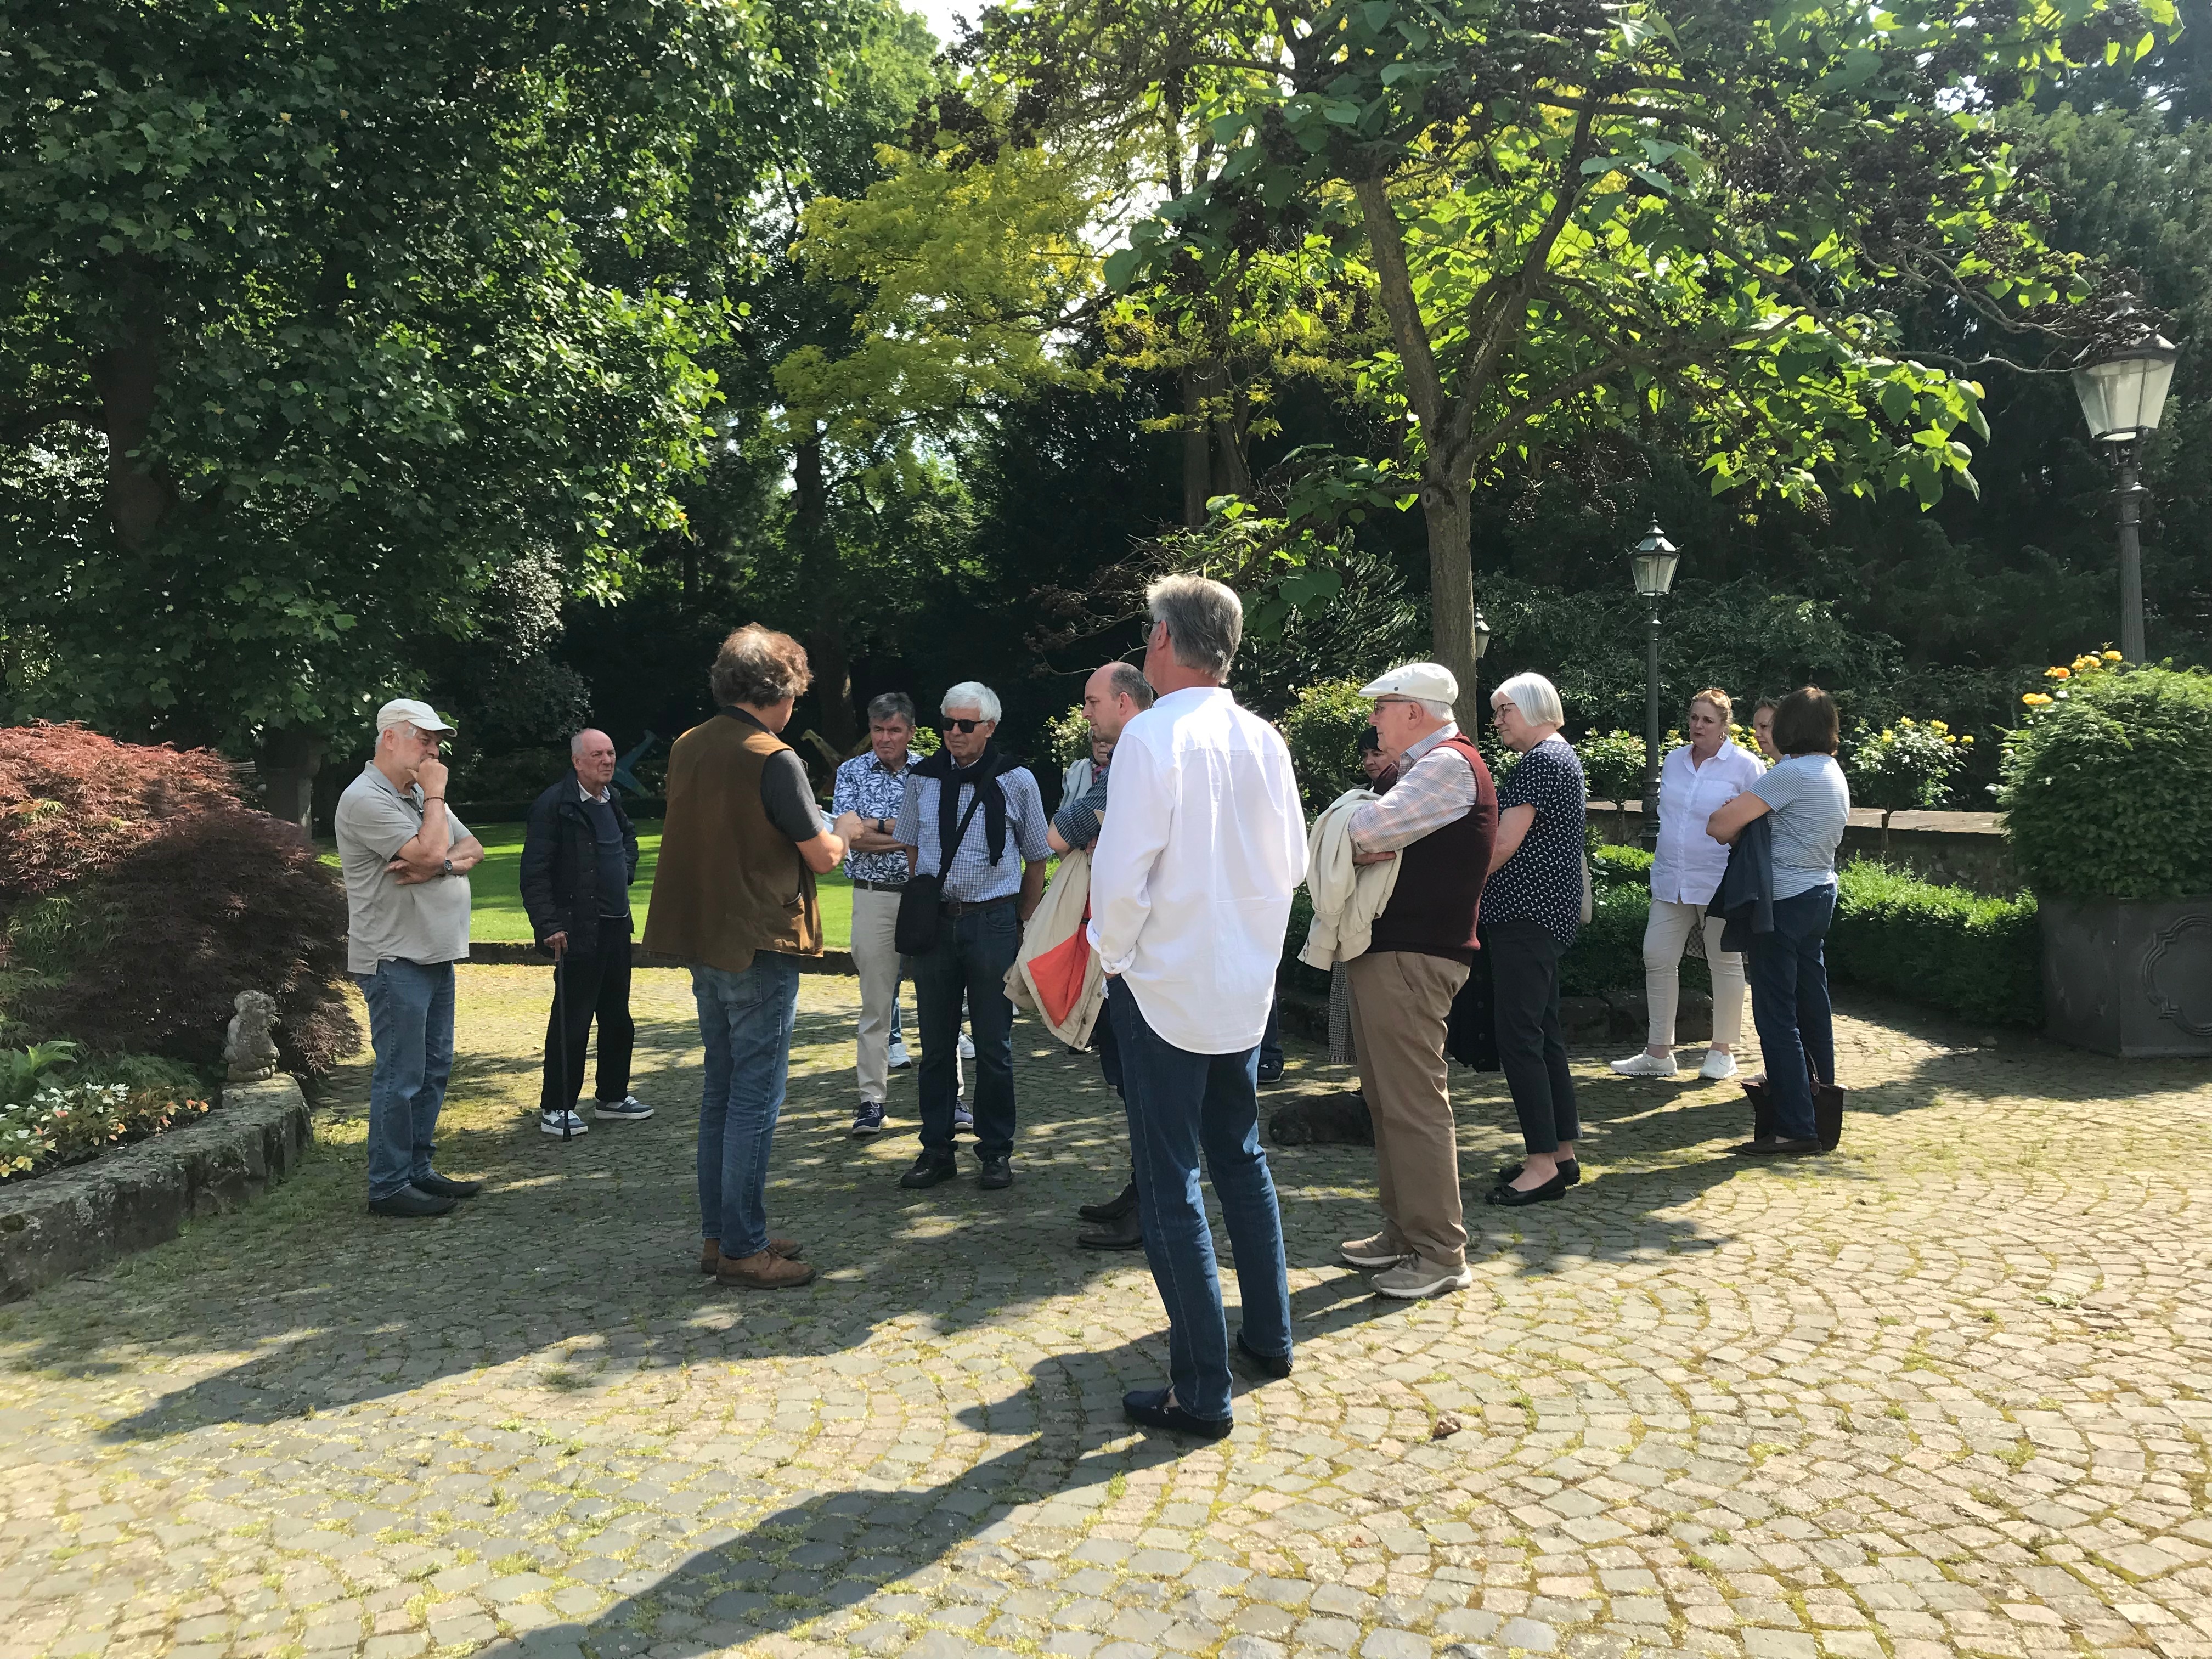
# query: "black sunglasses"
960,725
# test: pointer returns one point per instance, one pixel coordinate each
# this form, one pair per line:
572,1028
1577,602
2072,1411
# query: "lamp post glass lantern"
1652,562
2122,393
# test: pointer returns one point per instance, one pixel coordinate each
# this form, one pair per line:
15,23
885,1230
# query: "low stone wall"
529,956
1960,850
91,1214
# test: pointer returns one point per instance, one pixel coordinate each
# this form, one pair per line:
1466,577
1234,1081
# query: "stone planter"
2131,977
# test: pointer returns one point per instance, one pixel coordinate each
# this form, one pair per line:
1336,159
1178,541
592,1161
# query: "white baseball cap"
406,711
1429,680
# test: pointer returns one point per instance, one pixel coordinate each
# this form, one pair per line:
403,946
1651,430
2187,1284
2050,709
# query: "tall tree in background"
1580,216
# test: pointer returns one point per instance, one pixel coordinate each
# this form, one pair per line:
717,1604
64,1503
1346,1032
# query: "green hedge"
1943,947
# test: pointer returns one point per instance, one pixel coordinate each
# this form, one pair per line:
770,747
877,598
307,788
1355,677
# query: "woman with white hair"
1531,910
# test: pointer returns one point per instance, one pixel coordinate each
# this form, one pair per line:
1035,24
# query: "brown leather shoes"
765,1272
710,1251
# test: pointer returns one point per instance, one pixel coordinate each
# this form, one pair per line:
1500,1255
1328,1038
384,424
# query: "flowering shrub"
1905,767
1322,731
1613,764
67,1123
1067,737
2106,785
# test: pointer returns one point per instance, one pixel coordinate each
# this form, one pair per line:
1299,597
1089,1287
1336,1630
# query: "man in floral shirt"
871,785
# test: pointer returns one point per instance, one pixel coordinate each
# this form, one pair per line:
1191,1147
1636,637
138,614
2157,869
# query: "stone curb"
529,956
77,1218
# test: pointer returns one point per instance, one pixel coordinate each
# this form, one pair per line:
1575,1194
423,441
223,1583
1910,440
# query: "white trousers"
875,953
1665,936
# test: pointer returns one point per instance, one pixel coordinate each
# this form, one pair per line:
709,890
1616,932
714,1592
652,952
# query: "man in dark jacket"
578,858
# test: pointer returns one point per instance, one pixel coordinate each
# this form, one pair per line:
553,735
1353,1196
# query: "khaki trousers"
875,925
1400,1001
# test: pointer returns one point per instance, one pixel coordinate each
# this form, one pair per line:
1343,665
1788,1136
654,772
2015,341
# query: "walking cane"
561,1042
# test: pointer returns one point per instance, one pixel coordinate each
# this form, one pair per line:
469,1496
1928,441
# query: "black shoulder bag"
916,931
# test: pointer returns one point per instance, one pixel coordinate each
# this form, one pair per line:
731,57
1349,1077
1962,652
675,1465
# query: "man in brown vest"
1438,820
734,897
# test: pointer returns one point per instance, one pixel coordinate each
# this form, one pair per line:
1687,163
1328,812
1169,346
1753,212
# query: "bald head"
1115,694
592,753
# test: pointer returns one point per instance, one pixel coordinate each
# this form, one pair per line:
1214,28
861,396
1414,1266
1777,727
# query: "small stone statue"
250,1052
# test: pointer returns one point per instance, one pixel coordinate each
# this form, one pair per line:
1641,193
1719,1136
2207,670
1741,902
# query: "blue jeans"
1789,1004
1182,1105
974,951
745,1021
410,1026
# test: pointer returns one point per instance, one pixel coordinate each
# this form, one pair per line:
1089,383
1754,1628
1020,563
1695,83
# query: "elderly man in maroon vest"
1438,822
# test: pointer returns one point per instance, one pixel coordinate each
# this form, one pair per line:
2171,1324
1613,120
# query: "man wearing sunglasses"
973,813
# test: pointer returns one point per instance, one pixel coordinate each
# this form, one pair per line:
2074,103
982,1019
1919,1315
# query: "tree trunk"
137,498
815,548
1197,469
1450,511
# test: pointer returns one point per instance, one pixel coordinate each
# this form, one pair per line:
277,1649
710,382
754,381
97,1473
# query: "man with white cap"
1439,821
407,859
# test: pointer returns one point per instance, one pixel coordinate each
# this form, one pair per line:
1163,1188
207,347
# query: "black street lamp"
1653,562
1481,645
2122,392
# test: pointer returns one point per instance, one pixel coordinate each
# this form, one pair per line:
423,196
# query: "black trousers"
1524,988
596,984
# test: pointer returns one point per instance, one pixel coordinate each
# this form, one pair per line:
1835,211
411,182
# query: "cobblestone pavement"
1946,1391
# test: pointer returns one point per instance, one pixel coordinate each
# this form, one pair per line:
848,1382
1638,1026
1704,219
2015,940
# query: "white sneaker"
1717,1065
896,1056
1646,1065
568,1123
967,1047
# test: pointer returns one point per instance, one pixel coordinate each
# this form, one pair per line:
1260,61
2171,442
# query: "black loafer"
1508,1198
1777,1147
1126,1234
1150,1408
410,1201
929,1170
440,1186
997,1172
1573,1170
1122,1203
1275,1365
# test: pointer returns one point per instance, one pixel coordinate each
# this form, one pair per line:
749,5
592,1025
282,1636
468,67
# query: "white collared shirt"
1687,864
1191,876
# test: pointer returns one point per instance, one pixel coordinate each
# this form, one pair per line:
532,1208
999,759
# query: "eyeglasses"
960,725
1405,703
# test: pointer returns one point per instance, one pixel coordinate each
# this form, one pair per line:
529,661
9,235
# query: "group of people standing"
1196,838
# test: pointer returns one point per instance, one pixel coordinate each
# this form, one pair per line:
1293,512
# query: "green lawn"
495,886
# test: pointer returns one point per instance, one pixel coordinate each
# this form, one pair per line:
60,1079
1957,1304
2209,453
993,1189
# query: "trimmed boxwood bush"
2107,785
1322,732
1944,947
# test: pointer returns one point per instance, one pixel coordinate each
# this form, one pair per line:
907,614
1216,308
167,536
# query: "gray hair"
971,693
1204,621
1126,682
576,741
1536,697
1435,707
885,704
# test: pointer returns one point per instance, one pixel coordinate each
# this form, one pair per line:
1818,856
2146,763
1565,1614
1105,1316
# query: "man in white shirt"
1190,893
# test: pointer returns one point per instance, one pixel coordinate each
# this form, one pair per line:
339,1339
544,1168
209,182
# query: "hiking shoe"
895,1055
1122,1203
710,1251
629,1107
765,1272
565,1124
1417,1278
1384,1249
997,1172
1646,1065
867,1120
1717,1066
1122,1233
929,1170
440,1186
963,1121
410,1201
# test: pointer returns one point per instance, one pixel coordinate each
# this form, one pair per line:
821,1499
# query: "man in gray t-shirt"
407,859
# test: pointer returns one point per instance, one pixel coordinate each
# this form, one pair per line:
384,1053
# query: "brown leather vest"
729,882
1437,900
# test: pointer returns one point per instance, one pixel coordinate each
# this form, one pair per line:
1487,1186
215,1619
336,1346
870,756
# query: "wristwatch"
449,867
882,827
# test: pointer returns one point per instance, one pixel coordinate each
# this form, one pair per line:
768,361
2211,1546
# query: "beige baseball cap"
1431,680
406,711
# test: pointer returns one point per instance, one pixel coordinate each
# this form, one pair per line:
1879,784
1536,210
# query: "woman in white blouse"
1696,781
